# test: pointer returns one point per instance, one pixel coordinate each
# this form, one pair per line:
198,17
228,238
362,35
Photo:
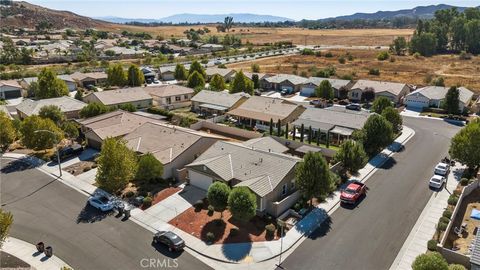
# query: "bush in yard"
6,220
374,71
198,204
242,203
444,220
442,226
129,194
149,168
452,200
217,195
210,237
432,245
456,267
430,261
147,201
447,213
210,210
383,56
464,181
270,228
352,155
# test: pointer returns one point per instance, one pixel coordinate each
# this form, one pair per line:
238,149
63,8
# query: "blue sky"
294,9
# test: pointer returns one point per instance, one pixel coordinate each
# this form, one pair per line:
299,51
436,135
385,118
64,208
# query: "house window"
284,189
169,100
185,97
178,98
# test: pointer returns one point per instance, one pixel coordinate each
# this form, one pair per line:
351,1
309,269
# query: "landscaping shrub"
383,56
147,201
129,194
342,60
464,181
457,192
234,231
447,213
444,220
198,204
374,71
442,226
210,210
270,228
432,245
456,267
159,111
416,55
318,53
210,237
328,55
452,200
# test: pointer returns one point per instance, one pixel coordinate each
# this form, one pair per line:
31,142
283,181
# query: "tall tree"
180,73
49,85
452,100
117,165
465,144
116,75
324,90
377,133
52,112
352,156
217,83
242,203
228,23
39,140
399,46
196,81
150,169
241,83
7,132
313,177
6,221
93,109
380,104
135,76
256,81
196,66
393,116
217,196
424,43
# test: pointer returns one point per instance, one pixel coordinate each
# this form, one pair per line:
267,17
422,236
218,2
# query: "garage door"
199,180
12,94
415,103
307,91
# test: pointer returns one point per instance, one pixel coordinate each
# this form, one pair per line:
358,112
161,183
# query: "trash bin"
126,211
49,251
40,247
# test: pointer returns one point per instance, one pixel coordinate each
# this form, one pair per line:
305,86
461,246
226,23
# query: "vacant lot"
258,35
405,69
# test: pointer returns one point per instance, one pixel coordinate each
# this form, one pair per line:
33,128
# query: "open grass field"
260,35
406,69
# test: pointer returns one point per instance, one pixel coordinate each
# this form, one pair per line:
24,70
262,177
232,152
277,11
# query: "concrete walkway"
425,227
28,253
241,255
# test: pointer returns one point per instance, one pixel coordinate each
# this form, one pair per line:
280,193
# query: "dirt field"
405,69
256,35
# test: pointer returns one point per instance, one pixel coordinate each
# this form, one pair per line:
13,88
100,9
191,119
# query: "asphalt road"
49,211
371,235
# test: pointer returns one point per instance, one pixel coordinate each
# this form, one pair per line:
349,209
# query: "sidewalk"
241,255
425,227
29,254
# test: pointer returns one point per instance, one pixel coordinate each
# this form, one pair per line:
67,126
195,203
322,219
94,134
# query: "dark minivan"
169,239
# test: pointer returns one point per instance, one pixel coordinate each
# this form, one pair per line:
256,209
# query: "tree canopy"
352,155
6,221
324,90
117,165
196,66
150,168
393,116
242,203
376,134
93,109
39,140
49,85
452,100
380,104
135,76
7,132
196,80
241,83
217,83
312,176
465,144
217,196
52,112
180,73
116,75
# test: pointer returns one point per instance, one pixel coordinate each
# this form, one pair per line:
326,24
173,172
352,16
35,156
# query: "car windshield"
350,191
436,180
173,237
441,166
103,199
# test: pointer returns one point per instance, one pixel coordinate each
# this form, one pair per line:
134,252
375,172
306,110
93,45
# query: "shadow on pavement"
17,165
389,164
353,205
89,214
236,252
311,221
164,250
323,230
454,122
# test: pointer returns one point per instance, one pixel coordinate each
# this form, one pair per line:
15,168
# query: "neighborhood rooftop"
379,86
66,104
264,109
439,92
326,119
294,79
168,90
119,96
223,99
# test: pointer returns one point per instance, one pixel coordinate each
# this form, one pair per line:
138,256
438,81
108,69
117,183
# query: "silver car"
102,203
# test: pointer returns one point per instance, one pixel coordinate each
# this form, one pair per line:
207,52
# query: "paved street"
371,235
49,211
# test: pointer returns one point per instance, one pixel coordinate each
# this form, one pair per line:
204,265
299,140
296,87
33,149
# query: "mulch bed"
165,193
12,262
80,167
198,223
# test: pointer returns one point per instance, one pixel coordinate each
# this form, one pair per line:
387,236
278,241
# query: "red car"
354,191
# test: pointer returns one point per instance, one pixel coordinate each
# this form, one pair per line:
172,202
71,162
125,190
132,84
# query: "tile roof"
325,119
168,90
267,144
261,171
439,92
165,142
336,83
66,104
12,83
220,71
265,108
123,95
379,86
222,98
78,76
294,79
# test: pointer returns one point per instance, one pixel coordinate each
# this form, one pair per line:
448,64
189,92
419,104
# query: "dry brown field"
406,69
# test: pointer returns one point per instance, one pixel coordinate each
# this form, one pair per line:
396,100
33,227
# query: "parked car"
217,62
353,192
68,151
286,91
169,239
354,107
437,181
442,169
315,102
101,202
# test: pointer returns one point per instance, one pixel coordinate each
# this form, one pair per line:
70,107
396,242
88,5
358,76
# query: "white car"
437,181
101,202
442,169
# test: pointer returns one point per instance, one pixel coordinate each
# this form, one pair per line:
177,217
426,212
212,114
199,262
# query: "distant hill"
424,12
203,18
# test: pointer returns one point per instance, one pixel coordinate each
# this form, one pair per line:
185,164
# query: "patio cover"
342,131
213,107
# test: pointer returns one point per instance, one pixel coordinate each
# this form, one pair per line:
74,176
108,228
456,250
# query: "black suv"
169,239
69,151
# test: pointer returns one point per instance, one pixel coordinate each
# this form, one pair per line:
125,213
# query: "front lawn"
199,223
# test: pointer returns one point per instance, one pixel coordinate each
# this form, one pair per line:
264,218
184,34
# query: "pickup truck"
354,191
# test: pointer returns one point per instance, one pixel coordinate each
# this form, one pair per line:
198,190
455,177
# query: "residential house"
308,88
170,96
114,124
393,91
434,96
69,81
258,111
267,144
149,75
69,106
134,95
90,78
260,75
279,82
212,102
173,146
10,89
167,73
226,73
270,176
334,124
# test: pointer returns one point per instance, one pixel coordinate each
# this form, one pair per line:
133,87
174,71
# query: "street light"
58,153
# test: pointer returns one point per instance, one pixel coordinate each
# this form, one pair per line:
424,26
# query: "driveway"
49,211
371,234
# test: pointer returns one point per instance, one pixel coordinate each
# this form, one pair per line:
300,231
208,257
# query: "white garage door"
413,102
199,180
